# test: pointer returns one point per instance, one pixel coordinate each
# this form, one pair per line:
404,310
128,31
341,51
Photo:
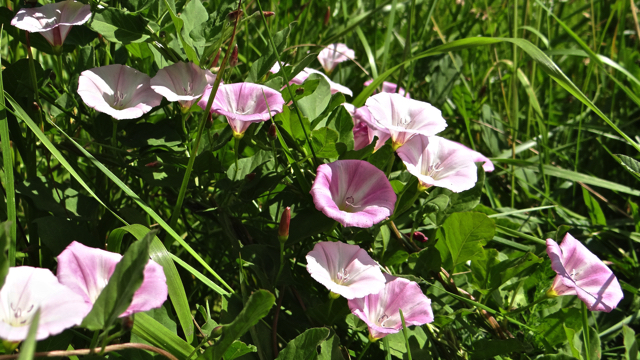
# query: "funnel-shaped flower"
243,104
302,76
53,21
353,192
334,54
86,271
118,90
183,82
381,310
389,87
436,161
404,118
344,269
581,273
27,289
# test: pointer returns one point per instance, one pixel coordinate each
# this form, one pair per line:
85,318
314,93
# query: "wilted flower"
118,90
27,289
582,273
86,271
353,192
436,161
403,118
302,76
344,269
53,21
183,82
381,310
334,54
243,104
389,87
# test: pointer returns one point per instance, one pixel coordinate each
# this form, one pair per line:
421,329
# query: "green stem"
390,164
94,341
114,133
7,161
59,72
366,347
406,334
236,150
387,349
187,175
585,331
275,284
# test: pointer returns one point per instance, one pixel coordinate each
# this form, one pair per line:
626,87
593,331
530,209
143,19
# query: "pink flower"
183,82
381,310
27,289
334,54
353,192
86,271
117,90
436,161
243,104
363,133
389,87
403,118
581,273
344,269
304,74
53,21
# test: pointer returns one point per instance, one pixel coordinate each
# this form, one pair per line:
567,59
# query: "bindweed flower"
344,269
183,82
363,133
436,161
302,76
53,21
243,104
118,90
381,310
403,118
582,273
334,54
86,271
390,87
27,289
353,192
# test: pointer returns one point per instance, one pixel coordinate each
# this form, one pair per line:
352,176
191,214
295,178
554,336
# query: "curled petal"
302,76
582,273
353,192
86,271
344,269
184,82
54,21
27,289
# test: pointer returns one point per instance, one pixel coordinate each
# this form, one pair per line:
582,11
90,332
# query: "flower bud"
216,332
233,61
273,132
418,236
327,16
154,164
283,229
216,59
268,13
234,15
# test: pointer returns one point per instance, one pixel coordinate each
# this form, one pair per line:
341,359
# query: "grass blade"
7,161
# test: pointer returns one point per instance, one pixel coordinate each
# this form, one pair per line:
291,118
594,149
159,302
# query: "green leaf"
466,200
159,254
247,165
595,212
262,66
630,343
153,332
462,237
324,143
194,16
313,105
486,348
257,307
5,241
305,345
127,277
630,164
179,24
29,345
424,262
120,27
571,340
551,329
594,346
237,349
330,348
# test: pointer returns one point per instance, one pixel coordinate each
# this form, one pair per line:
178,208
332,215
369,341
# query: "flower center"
94,292
189,89
383,319
434,169
118,99
405,120
342,276
19,316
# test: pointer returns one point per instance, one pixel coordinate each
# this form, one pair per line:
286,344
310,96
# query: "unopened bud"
216,332
418,236
216,59
327,16
209,122
268,13
299,91
234,15
273,132
249,177
35,106
283,229
154,164
233,61
127,323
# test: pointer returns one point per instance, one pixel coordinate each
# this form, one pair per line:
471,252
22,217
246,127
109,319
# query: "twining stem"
194,151
110,348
